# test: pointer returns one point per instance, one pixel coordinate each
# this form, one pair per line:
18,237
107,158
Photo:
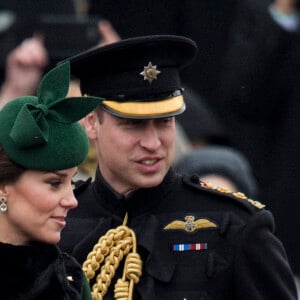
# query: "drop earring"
3,205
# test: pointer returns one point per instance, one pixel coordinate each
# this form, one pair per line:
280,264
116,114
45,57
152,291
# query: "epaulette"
80,185
196,182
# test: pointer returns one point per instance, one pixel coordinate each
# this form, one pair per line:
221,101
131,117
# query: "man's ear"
90,123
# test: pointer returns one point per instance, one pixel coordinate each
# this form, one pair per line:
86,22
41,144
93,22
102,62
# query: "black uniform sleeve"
261,266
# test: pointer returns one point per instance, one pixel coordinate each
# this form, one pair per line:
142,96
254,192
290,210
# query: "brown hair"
9,171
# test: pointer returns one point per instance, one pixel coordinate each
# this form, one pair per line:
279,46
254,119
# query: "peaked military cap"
138,77
40,132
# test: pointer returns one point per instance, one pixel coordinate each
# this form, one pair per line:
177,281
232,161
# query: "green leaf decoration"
55,84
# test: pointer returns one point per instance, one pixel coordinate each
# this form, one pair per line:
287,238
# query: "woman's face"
38,203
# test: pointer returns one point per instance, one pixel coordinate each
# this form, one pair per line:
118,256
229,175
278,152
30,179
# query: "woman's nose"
69,200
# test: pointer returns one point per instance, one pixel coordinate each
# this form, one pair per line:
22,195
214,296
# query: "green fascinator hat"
41,132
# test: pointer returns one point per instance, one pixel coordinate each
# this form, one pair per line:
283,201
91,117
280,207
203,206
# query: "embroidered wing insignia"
190,224
175,225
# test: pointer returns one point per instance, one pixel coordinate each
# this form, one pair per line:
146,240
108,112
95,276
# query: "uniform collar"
136,203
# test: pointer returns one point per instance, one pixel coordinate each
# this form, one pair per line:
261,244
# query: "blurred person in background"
221,166
259,101
26,64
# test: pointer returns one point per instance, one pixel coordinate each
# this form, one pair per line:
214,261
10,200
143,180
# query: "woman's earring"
3,205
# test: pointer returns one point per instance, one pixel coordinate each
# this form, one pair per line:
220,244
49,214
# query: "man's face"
132,153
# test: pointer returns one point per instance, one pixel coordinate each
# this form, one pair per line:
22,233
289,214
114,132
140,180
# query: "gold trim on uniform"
223,190
256,203
238,195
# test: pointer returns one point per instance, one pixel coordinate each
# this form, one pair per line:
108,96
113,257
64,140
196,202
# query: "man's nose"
150,138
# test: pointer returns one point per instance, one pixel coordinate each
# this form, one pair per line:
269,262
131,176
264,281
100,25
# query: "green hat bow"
41,132
31,126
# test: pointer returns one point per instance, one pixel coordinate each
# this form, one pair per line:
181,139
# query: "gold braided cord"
106,257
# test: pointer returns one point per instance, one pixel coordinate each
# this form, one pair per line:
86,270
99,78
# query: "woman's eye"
54,183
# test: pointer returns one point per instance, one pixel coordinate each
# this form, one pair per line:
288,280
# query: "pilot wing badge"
190,224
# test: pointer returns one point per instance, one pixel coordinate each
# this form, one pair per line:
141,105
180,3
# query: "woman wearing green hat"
41,145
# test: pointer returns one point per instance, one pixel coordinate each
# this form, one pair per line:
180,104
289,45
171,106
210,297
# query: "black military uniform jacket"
196,242
39,272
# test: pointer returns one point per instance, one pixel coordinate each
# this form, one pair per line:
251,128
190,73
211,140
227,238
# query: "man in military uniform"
143,231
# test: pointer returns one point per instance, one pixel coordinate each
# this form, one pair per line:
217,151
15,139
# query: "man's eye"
131,122
166,120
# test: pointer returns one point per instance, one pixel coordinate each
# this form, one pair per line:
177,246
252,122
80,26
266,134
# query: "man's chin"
151,181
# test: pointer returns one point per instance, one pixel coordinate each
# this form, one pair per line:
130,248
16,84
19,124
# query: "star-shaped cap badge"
150,72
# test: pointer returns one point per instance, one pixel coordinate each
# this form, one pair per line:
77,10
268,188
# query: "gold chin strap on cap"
110,249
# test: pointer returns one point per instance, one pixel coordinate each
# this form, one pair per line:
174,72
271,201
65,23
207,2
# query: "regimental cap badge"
190,224
150,72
